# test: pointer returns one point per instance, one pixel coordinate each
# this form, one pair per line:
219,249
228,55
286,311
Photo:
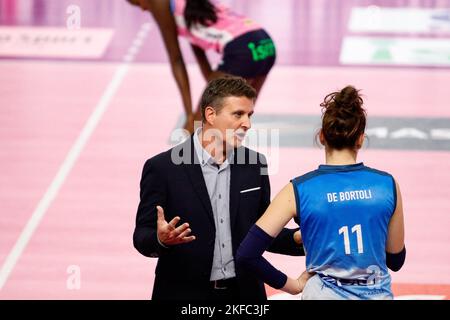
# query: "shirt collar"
347,167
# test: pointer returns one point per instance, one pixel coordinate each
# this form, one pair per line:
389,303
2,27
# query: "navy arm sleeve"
395,261
249,257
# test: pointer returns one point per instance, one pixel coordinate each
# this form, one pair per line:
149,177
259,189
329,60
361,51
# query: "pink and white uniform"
229,26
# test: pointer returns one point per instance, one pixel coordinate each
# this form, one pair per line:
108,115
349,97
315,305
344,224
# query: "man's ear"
210,115
360,141
321,137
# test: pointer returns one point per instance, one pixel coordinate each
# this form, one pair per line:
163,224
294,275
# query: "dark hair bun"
349,99
343,119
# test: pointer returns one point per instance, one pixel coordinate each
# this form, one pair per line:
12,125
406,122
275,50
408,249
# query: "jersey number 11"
357,229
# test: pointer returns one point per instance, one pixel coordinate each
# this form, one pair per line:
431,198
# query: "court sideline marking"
72,155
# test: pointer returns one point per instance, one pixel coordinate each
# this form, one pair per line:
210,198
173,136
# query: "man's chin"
234,143
237,142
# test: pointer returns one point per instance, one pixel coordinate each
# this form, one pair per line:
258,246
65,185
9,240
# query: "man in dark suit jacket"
218,189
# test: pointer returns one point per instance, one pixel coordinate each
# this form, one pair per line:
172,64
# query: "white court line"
67,164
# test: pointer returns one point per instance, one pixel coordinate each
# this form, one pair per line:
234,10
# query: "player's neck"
340,157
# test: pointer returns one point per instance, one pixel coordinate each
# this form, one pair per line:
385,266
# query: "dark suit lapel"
235,188
195,175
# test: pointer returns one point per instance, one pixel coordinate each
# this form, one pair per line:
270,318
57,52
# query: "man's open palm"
168,232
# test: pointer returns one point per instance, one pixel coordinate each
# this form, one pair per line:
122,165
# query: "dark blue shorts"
250,55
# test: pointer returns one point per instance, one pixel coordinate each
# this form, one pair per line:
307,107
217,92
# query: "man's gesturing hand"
168,233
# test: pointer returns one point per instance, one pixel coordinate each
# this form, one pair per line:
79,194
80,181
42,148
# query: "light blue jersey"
344,214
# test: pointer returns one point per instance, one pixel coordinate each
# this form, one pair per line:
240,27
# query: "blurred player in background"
246,48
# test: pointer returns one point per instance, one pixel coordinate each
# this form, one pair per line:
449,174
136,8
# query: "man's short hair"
223,87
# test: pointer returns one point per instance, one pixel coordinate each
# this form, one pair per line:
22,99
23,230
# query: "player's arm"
203,62
395,245
261,235
166,23
280,211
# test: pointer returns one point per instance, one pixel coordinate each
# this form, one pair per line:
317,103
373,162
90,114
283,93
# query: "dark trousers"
224,290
